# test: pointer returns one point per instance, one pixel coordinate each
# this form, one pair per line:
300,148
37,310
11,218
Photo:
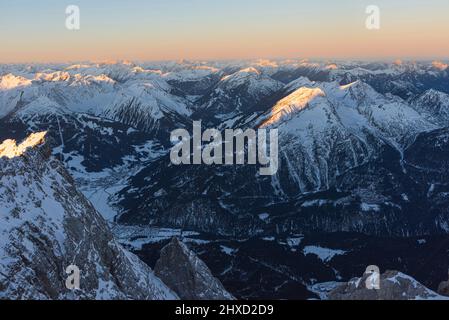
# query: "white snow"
324,254
11,81
227,250
137,236
294,241
367,207
322,289
10,149
286,108
440,65
39,211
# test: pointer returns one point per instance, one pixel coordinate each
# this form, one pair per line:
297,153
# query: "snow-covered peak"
255,83
10,149
270,67
92,79
308,64
191,74
434,104
355,93
355,108
47,225
331,66
292,104
360,90
242,74
124,92
264,63
434,94
440,65
78,66
53,76
356,84
299,83
11,81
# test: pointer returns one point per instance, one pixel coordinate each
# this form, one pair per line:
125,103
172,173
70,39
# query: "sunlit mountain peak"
10,149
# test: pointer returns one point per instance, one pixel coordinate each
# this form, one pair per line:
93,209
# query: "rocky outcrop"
187,275
46,225
443,288
393,285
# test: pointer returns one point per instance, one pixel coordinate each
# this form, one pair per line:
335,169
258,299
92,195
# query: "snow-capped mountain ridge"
435,105
237,94
292,104
363,148
47,225
10,149
142,103
11,81
328,131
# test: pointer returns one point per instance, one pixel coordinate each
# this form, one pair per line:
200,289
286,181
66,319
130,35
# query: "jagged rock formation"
235,95
187,275
443,288
394,285
434,104
46,225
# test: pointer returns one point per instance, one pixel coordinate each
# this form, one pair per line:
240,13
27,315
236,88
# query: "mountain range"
362,179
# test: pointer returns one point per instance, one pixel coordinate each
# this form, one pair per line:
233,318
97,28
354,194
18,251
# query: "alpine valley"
363,180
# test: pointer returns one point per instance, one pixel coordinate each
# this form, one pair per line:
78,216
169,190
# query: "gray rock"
46,225
443,288
187,275
394,285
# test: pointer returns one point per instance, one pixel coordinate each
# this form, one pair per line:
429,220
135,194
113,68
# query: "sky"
35,30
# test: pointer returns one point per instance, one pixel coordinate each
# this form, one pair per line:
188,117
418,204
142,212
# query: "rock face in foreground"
187,275
46,225
394,285
443,288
